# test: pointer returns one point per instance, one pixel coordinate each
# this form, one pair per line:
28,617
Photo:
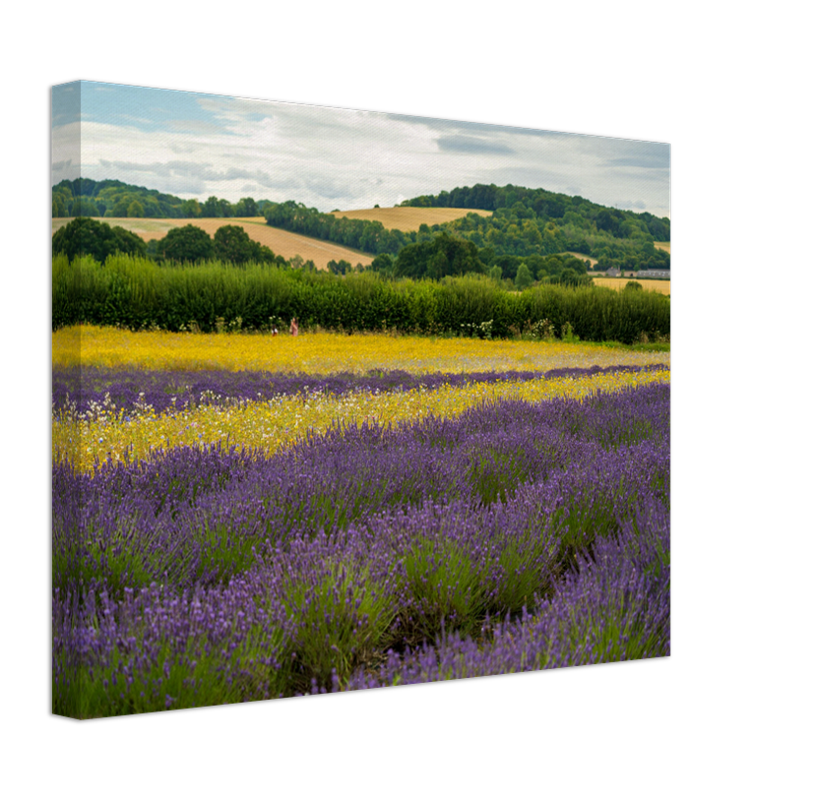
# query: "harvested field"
664,287
582,257
406,218
663,246
281,242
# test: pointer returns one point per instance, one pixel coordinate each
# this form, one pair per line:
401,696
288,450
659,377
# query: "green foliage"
341,267
568,277
633,286
113,198
527,224
438,258
232,243
188,243
523,278
83,236
191,208
246,207
383,264
139,294
84,207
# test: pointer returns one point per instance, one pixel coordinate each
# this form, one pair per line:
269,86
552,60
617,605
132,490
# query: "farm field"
583,257
651,285
281,242
409,218
241,517
663,246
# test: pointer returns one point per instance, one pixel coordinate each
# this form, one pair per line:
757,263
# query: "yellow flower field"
272,424
323,353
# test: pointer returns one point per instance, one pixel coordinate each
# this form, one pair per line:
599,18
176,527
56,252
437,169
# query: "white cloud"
331,158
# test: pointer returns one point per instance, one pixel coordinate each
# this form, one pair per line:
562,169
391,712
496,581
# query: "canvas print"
347,400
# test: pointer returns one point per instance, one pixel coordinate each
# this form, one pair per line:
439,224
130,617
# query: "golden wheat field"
281,242
663,287
406,218
663,246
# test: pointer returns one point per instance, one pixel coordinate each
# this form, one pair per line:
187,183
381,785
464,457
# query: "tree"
496,273
84,207
188,243
232,243
568,277
632,286
211,208
383,264
135,209
191,208
340,267
523,277
246,207
438,266
88,237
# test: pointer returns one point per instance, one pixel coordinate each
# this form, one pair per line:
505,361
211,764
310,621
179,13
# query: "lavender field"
497,532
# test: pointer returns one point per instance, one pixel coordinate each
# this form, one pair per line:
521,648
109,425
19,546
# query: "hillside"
506,224
524,223
405,218
281,242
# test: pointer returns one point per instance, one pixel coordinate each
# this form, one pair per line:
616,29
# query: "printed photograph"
347,400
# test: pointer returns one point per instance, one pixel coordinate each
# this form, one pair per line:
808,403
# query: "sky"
197,145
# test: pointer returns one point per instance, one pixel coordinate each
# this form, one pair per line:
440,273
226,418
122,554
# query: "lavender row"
323,615
210,576
89,388
203,515
615,606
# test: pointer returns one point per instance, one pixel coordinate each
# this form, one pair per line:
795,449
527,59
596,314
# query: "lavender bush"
513,537
87,387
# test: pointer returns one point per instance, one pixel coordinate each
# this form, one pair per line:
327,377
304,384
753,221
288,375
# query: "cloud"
202,145
470,144
194,126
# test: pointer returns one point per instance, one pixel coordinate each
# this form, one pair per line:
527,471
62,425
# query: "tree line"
111,198
528,226
538,222
440,257
187,244
137,293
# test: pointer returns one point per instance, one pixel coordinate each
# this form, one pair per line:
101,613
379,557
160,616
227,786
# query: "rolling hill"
406,218
281,242
289,244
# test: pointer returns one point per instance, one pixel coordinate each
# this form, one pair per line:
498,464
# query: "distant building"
613,272
654,273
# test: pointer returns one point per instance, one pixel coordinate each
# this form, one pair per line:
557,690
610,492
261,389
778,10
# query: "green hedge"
137,293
